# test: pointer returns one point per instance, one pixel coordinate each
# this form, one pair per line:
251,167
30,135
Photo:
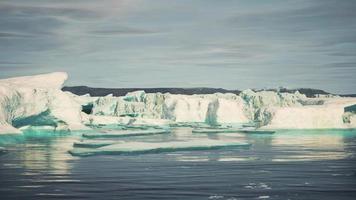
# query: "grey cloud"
241,43
122,30
322,23
343,54
322,13
14,63
31,26
23,11
219,51
345,38
13,35
35,20
13,66
341,65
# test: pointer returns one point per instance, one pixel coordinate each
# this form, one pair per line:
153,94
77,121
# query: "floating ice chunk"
149,147
216,130
2,150
93,143
126,133
190,124
235,159
263,197
143,127
232,130
216,197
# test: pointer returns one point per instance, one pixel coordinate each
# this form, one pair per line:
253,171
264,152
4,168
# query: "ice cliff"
37,101
267,109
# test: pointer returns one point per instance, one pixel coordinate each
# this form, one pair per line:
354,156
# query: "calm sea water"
285,165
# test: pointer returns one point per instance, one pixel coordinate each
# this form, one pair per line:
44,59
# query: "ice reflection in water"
311,145
285,145
39,161
42,168
299,145
49,155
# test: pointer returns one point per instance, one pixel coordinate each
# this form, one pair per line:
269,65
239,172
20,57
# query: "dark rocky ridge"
81,90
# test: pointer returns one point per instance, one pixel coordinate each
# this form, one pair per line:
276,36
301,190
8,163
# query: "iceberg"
265,109
209,109
212,109
151,147
2,150
38,101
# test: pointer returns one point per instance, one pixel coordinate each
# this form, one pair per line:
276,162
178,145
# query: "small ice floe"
236,159
232,130
192,159
190,124
262,186
216,197
2,150
215,130
93,143
126,133
263,197
157,147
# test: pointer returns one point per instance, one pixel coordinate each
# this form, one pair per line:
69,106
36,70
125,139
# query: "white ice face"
38,101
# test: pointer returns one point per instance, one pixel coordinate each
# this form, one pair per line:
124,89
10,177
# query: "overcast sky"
233,44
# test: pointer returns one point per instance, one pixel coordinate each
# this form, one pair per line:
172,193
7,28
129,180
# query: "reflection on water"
50,155
285,145
311,145
291,161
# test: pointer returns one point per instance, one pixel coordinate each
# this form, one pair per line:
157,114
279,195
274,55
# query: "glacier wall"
267,109
37,101
212,108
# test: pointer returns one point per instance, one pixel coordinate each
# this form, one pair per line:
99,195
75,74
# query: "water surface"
286,165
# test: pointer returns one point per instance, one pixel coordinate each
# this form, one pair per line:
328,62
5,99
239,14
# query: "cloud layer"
180,43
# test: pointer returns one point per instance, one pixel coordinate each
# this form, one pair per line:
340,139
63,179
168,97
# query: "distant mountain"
81,90
309,92
348,95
